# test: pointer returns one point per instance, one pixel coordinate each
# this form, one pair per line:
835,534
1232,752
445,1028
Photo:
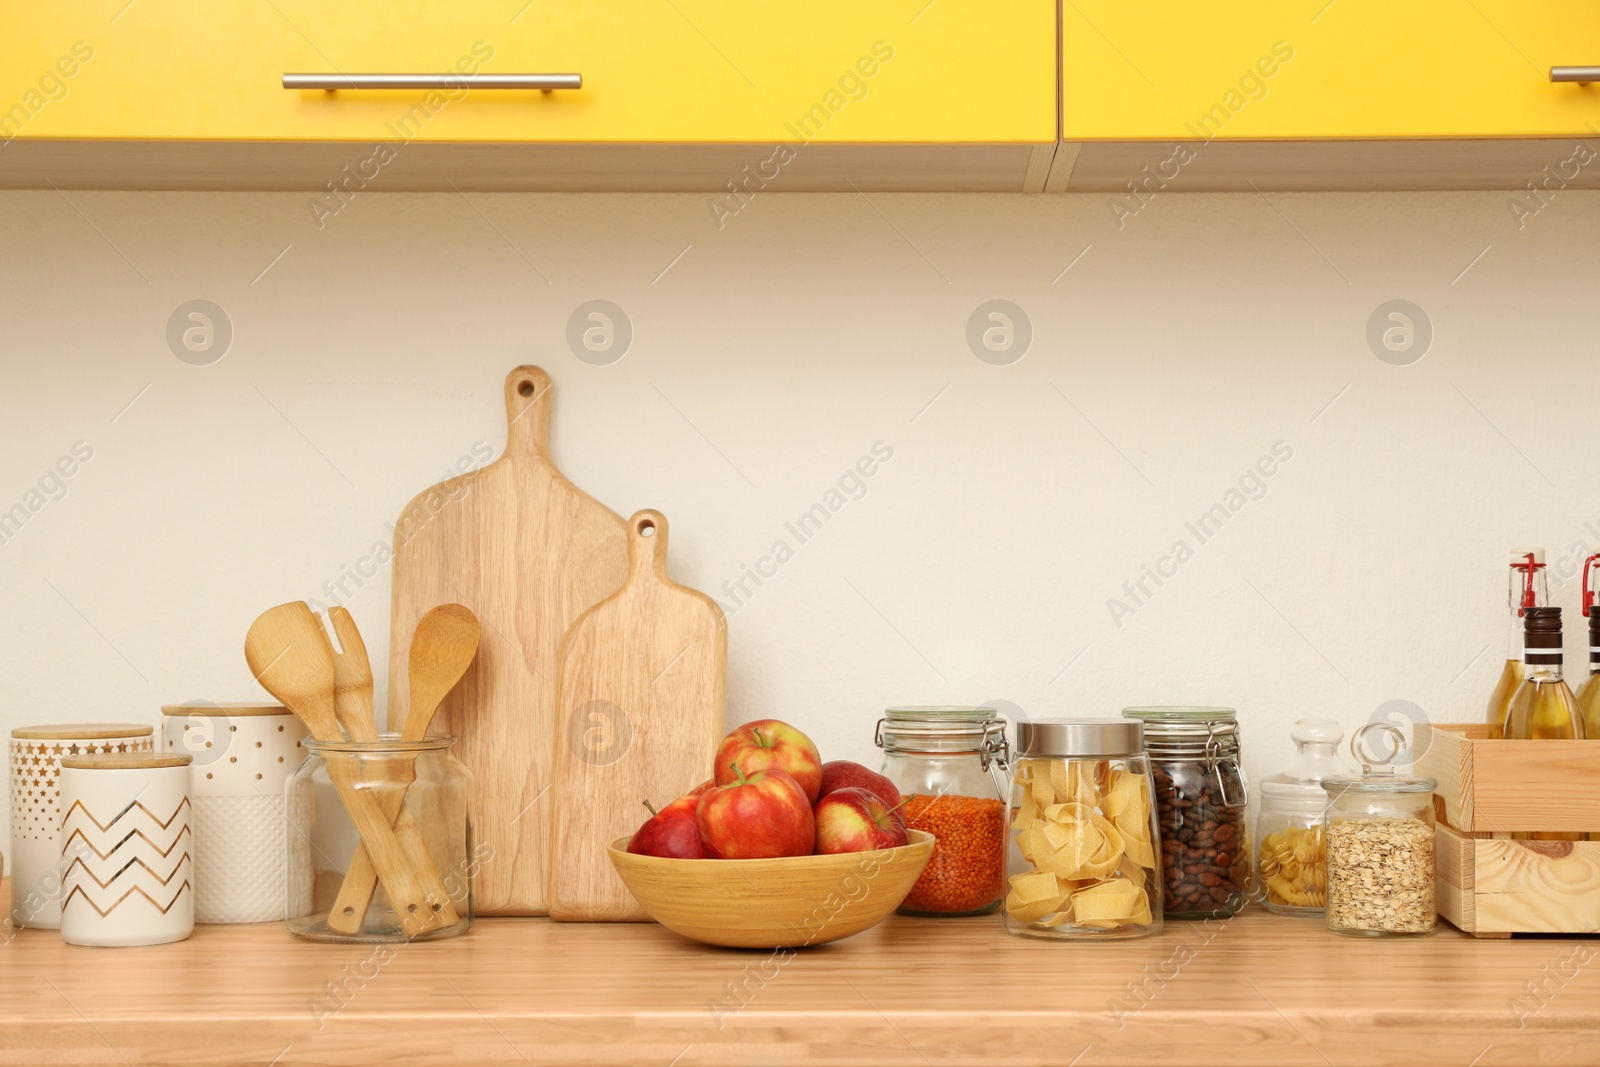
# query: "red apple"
843,774
702,787
670,832
768,744
856,820
756,816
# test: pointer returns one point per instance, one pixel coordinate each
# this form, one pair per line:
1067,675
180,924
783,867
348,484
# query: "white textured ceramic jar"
244,755
127,870
36,754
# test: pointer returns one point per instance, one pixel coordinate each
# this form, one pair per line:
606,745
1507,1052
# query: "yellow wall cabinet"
1326,93
675,93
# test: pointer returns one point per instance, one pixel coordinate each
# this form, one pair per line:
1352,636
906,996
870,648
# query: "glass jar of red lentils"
936,757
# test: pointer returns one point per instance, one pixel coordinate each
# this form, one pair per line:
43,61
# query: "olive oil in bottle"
1543,708
1589,695
1526,590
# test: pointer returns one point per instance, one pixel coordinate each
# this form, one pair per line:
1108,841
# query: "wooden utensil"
527,552
289,654
443,647
643,690
352,702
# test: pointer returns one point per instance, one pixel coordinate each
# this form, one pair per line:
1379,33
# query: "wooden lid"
120,762
225,710
81,731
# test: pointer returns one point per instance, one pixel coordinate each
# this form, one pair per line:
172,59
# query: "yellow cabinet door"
1269,69
654,71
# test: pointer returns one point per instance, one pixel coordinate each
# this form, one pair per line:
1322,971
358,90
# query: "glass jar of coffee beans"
1200,802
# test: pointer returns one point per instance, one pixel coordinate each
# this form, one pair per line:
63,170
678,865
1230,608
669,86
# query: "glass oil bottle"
1543,708
1589,695
1526,590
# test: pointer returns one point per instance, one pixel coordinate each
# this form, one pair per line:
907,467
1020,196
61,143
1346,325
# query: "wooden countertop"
1257,990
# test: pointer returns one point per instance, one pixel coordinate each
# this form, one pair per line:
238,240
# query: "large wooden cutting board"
528,552
643,690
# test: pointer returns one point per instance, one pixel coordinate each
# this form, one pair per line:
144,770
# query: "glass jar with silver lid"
1082,848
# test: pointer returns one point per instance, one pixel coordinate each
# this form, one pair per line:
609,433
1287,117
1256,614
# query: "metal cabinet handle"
331,82
1581,75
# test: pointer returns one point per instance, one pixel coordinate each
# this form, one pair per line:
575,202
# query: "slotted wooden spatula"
352,703
643,689
527,552
289,654
445,643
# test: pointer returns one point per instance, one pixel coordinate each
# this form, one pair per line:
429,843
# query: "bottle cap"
1541,640
1519,557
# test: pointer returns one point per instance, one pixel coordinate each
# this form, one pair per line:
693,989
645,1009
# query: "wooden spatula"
289,654
352,700
643,688
441,650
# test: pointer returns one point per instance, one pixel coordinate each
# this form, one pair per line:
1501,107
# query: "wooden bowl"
781,903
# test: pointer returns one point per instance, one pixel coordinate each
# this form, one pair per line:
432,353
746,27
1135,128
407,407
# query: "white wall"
766,360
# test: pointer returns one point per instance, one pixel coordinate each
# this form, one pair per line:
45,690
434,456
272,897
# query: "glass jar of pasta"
1081,849
1291,866
936,757
1201,800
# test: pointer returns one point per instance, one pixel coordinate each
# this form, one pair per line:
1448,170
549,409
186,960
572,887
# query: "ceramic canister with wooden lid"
244,754
36,754
127,870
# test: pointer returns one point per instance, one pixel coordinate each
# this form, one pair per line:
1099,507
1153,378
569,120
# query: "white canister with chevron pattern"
36,755
127,868
244,755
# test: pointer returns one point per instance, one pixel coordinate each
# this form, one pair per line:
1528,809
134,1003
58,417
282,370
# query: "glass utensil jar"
936,757
1201,799
1380,828
1082,844
1291,859
432,827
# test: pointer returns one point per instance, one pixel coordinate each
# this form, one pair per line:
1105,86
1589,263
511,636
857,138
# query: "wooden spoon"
289,654
442,649
352,695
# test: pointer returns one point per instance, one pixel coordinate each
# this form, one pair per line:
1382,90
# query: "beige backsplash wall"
980,560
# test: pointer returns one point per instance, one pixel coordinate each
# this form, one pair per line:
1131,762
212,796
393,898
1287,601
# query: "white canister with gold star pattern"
36,754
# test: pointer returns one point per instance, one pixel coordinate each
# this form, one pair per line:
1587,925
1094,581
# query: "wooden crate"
1497,788
1496,888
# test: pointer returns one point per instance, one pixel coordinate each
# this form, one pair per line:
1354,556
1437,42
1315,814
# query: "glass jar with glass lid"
936,757
1380,829
1200,802
1290,846
1082,845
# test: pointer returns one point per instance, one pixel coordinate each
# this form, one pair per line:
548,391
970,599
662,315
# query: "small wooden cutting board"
528,552
643,691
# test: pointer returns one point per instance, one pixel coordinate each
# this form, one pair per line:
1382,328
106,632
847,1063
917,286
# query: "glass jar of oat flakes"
1380,848
936,757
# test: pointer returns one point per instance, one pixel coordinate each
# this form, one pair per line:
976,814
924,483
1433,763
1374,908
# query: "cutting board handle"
647,545
528,413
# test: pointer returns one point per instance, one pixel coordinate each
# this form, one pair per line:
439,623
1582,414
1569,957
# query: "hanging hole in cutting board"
647,528
525,388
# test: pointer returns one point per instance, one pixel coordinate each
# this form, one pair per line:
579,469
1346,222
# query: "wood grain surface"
1515,887
1260,989
643,692
527,552
1492,787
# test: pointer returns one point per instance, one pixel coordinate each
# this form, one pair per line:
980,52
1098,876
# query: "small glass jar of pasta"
1081,846
1290,849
